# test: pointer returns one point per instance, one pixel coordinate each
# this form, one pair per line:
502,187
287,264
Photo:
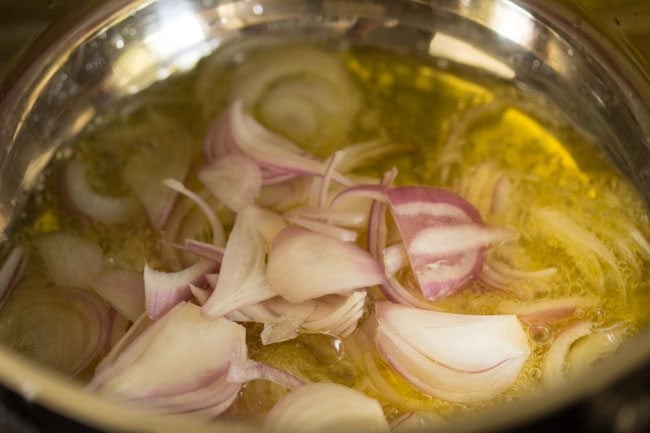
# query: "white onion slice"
324,228
186,221
141,323
337,315
340,217
326,407
70,260
332,163
202,249
65,328
273,151
460,358
305,265
234,179
301,92
361,154
189,378
553,369
11,271
123,290
548,311
106,209
243,278
247,370
593,348
218,235
163,290
583,246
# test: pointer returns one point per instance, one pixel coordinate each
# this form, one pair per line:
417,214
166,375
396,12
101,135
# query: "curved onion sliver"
109,210
326,407
553,369
460,358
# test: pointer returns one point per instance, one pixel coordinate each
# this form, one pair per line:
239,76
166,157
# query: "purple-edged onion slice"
305,265
324,408
455,357
163,290
444,237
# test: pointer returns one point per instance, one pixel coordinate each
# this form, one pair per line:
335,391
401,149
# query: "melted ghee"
449,124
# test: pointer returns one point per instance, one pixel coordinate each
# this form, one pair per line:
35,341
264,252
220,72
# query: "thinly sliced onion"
332,163
283,196
146,169
553,369
272,151
287,321
303,93
326,407
63,327
202,249
501,275
548,311
416,422
10,272
485,187
243,278
344,218
119,327
332,314
218,235
200,295
70,260
247,370
123,290
460,358
377,238
106,209
234,179
337,315
192,377
163,290
141,323
361,154
373,192
587,352
324,228
305,265
187,221
582,245
444,237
